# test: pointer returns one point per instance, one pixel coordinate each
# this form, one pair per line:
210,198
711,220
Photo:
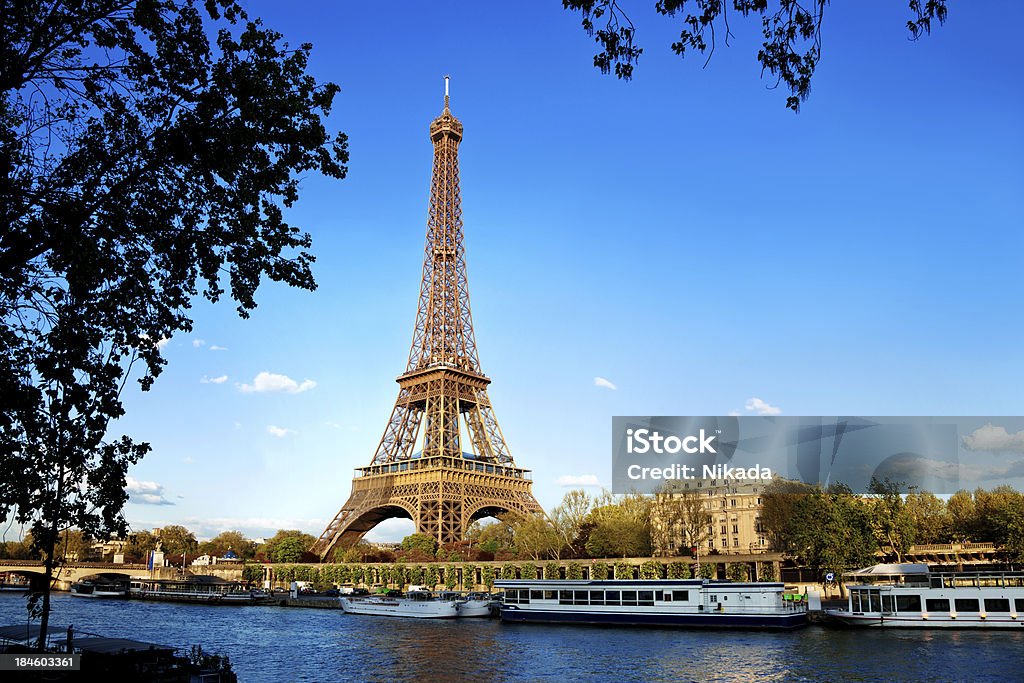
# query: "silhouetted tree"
147,148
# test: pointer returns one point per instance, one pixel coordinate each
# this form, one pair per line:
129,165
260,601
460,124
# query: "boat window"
536,595
887,603
596,597
908,603
966,605
645,598
564,597
611,597
1019,604
660,595
680,595
628,597
937,605
550,595
875,602
997,605
581,597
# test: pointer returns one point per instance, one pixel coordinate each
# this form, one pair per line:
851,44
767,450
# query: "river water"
290,644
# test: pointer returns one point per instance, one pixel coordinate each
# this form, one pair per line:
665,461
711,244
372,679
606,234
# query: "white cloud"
196,343
188,460
279,432
756,405
734,413
145,492
269,381
602,382
215,347
160,344
993,438
581,480
214,380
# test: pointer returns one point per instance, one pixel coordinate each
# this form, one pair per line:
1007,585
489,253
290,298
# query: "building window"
734,502
735,543
723,528
735,528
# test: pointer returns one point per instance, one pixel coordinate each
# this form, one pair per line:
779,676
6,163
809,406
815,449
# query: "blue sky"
682,236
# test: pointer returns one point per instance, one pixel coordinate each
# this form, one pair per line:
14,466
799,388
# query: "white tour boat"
912,596
208,590
100,589
660,602
416,604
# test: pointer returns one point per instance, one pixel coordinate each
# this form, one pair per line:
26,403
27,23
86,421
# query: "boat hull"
789,621
106,595
202,598
847,619
475,608
417,609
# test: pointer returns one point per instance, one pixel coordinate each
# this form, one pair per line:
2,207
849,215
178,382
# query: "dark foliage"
791,29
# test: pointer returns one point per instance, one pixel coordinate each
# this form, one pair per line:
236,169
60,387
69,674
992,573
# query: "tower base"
441,495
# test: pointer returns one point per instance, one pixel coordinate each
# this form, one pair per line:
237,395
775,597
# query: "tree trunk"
44,620
50,548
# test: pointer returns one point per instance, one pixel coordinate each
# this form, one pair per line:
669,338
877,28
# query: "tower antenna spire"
446,90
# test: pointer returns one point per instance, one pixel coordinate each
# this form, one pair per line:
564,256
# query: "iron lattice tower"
441,488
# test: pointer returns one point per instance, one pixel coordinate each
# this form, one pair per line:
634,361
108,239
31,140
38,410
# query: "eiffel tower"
441,487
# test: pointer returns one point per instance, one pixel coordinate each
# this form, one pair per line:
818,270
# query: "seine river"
290,644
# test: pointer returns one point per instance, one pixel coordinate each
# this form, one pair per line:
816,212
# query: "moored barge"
912,596
698,603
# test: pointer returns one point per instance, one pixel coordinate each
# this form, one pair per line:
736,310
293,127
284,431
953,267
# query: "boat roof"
203,579
25,632
891,570
621,583
114,645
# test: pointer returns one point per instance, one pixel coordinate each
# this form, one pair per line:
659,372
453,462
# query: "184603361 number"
33,662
